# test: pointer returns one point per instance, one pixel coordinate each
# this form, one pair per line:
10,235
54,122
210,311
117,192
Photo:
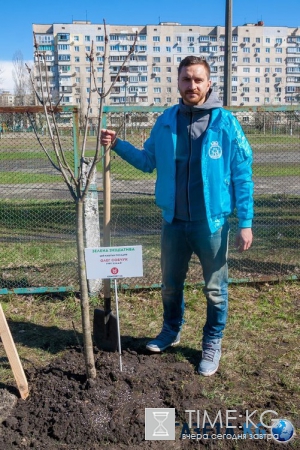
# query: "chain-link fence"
37,213
274,135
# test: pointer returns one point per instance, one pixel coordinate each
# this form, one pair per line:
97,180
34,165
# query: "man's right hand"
108,137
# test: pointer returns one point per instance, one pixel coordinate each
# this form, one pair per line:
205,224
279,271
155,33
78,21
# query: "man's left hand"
243,239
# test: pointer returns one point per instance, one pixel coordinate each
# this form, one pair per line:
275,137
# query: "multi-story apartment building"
265,62
6,98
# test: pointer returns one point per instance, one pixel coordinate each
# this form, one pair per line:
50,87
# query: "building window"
156,38
168,59
63,36
267,61
278,50
156,49
156,59
267,80
77,59
257,80
257,89
268,40
87,38
246,69
168,49
256,99
257,60
257,69
157,80
257,40
246,39
268,50
63,47
246,49
157,90
99,38
191,49
64,58
246,60
178,49
169,80
87,48
190,38
168,38
278,60
178,38
99,48
278,41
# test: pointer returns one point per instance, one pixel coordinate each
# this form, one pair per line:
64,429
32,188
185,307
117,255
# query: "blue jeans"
179,240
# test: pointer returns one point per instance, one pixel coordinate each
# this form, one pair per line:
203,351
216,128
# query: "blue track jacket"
226,166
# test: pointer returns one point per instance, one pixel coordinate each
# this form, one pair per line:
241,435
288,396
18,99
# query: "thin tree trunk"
84,300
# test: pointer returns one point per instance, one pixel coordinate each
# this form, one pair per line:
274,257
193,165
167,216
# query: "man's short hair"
191,60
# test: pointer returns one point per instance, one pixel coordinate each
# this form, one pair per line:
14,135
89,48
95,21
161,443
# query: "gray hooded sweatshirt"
192,122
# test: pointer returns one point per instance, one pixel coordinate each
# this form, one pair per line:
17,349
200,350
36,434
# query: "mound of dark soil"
65,412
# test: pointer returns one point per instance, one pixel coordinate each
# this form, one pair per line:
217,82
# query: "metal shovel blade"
105,330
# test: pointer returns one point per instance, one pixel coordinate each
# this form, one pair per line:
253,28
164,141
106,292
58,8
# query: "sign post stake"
118,324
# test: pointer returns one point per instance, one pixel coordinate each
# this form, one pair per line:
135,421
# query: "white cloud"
6,77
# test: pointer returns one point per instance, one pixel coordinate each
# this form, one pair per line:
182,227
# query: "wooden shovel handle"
106,212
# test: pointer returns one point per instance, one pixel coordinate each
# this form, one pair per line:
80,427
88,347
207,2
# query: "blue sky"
17,17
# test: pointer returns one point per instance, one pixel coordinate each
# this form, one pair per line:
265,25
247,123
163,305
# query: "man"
203,163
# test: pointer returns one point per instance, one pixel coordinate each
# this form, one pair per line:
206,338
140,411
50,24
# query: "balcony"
65,90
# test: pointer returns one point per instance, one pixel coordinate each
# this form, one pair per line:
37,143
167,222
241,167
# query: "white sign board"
114,262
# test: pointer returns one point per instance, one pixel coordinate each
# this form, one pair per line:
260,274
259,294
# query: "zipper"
189,167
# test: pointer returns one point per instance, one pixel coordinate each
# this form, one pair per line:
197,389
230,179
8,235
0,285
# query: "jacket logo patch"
215,151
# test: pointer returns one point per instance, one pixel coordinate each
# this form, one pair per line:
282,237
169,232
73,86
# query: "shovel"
105,327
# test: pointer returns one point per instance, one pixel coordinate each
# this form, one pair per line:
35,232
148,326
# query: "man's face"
193,84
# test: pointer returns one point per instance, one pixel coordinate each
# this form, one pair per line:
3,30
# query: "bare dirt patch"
65,412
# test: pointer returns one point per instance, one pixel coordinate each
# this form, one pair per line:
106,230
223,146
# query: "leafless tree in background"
23,91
